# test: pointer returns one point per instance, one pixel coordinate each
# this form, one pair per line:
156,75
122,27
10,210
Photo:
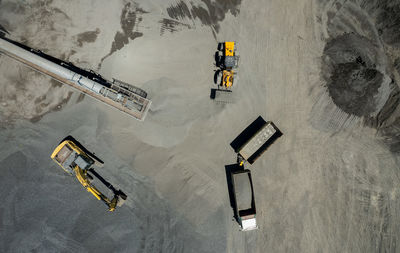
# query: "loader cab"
230,62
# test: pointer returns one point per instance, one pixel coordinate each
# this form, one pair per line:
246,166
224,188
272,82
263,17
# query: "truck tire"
220,46
218,77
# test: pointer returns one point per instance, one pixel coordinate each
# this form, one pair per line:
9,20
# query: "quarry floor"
324,71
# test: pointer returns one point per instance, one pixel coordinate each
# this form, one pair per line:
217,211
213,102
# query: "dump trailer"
226,60
255,140
245,208
70,156
122,96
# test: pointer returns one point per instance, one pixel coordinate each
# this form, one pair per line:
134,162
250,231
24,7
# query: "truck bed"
244,194
255,139
258,140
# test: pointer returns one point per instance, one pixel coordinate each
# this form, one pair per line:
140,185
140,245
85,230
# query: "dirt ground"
326,72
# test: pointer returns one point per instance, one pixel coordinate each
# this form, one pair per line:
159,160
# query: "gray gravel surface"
324,71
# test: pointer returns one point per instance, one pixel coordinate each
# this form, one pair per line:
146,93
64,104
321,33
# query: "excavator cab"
76,160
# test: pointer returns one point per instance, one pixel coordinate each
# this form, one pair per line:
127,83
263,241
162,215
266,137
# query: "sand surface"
325,72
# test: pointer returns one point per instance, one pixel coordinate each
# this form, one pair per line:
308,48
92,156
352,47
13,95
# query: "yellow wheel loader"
77,161
226,60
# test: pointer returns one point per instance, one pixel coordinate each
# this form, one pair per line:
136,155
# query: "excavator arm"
84,178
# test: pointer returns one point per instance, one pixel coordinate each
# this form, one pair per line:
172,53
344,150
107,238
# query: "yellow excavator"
77,160
226,60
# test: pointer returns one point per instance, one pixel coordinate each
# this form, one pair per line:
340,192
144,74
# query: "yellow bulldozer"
77,161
